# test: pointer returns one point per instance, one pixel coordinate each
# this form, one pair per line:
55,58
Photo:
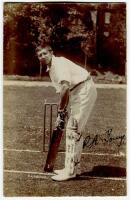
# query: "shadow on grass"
103,172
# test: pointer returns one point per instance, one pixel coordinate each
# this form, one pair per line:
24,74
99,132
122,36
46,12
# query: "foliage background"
75,30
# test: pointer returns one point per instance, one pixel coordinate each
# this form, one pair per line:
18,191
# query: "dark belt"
88,78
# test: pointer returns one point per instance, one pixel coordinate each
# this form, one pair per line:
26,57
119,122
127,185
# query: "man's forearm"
64,98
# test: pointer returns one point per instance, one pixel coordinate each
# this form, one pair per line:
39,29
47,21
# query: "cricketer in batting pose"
75,85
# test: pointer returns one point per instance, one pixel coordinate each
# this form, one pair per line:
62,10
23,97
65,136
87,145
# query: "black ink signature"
108,139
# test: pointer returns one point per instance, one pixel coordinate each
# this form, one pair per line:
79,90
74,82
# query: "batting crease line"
84,153
49,84
29,172
51,174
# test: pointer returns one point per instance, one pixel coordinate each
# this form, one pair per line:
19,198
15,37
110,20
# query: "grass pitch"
23,136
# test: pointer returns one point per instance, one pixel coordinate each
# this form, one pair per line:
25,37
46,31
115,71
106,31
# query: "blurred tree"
21,31
69,27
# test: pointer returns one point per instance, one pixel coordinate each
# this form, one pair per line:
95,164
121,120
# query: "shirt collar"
52,63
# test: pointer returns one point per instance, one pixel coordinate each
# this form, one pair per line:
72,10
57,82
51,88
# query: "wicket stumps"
48,114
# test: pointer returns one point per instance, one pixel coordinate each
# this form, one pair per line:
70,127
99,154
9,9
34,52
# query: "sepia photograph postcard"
64,99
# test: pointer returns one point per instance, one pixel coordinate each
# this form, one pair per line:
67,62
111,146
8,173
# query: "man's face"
45,56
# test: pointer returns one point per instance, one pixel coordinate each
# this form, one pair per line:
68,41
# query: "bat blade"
53,149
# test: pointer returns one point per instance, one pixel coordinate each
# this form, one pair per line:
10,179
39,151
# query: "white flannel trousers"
82,100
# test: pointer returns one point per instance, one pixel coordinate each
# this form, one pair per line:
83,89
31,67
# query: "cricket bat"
53,149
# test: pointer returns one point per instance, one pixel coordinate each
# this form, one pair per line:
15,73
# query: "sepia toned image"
64,99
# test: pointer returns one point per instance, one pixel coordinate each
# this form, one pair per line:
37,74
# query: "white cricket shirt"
63,69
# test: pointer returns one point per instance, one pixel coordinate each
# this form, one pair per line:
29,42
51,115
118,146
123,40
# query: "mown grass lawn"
23,130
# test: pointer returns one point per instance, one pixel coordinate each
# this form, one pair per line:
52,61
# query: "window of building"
107,17
106,33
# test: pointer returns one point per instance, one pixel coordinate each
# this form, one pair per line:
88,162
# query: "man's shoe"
59,171
63,177
62,171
